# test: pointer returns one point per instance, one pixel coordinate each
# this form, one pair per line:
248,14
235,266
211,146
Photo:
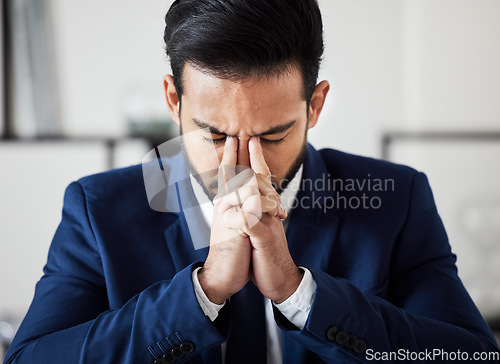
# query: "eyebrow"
274,130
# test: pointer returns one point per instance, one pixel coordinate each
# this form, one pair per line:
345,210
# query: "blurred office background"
413,81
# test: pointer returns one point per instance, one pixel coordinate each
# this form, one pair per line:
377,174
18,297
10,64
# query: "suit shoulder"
344,164
120,182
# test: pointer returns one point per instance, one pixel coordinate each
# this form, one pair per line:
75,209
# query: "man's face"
270,107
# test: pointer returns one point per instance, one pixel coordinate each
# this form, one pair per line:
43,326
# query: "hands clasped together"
247,238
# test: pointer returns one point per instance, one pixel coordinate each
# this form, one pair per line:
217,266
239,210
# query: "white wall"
363,62
459,64
108,52
408,65
34,177
1,78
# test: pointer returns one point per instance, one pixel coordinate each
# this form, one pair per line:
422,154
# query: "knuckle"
223,207
252,203
272,203
248,191
270,196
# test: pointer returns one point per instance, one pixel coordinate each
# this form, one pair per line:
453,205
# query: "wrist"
209,288
292,284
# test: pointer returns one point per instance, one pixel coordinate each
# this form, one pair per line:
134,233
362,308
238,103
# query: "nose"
243,153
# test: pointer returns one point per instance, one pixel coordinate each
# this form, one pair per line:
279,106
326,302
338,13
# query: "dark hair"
236,39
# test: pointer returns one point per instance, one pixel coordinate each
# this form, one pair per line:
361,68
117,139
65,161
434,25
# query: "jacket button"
351,341
360,346
331,333
159,361
168,358
342,338
187,347
176,353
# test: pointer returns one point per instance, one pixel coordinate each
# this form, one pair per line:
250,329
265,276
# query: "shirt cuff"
209,308
296,308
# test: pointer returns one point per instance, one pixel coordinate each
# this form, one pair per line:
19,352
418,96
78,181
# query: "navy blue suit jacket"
117,281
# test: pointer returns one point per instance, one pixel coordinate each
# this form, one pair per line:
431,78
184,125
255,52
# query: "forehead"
267,99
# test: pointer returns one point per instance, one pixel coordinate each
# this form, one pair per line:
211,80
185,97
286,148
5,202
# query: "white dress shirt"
296,308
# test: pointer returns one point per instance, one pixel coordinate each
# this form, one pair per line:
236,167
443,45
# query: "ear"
317,101
173,102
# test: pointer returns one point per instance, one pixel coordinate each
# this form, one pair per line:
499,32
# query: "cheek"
203,156
281,157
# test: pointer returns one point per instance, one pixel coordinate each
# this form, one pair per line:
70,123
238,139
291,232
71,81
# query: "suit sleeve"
427,307
69,320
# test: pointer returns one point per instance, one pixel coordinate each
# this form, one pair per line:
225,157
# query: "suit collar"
312,228
177,235
310,234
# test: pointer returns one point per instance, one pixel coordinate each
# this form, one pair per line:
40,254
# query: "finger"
257,160
227,173
258,205
239,220
270,204
264,185
228,163
233,199
241,179
274,207
231,186
253,205
266,189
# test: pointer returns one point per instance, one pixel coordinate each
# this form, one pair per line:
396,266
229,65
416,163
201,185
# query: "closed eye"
222,140
214,141
268,141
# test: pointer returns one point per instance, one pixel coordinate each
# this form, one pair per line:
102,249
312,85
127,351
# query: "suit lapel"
312,229
186,245
180,245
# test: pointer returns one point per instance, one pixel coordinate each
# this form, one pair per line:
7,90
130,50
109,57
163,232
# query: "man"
313,256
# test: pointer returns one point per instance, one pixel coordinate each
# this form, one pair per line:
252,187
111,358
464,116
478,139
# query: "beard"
211,190
292,171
